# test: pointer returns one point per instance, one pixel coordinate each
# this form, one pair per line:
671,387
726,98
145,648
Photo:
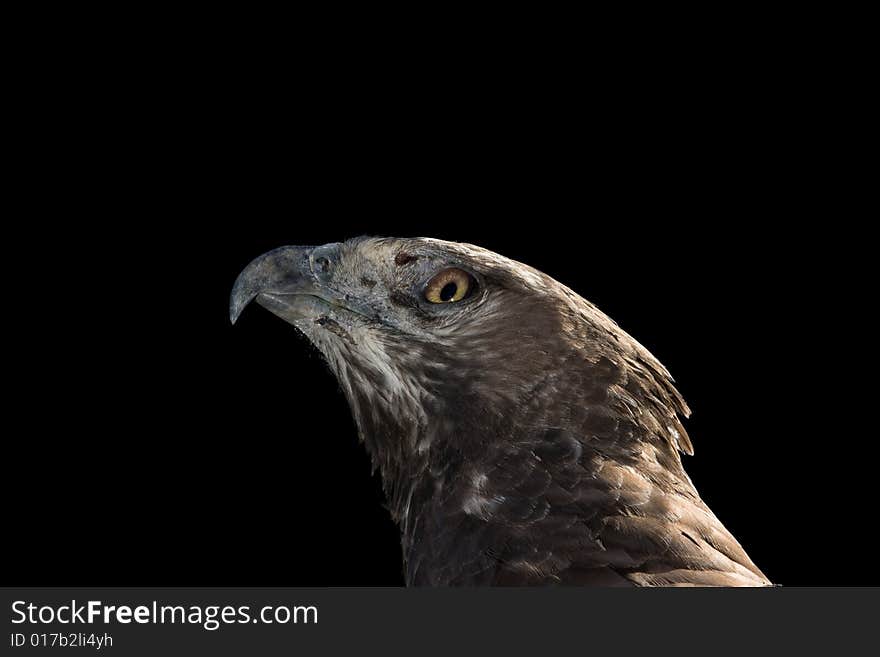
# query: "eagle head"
426,337
517,429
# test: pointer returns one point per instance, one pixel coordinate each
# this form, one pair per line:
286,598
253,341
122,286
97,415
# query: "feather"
522,436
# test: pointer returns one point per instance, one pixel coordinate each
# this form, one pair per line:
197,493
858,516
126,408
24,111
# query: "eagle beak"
275,279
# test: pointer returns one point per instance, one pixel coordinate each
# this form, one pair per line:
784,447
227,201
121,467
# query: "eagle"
522,437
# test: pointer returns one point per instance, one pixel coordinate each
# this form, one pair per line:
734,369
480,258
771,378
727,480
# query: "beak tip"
237,303
243,292
235,308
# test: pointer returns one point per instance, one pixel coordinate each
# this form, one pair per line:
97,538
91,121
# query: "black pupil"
448,291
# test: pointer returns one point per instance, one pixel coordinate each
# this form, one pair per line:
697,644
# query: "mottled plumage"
521,435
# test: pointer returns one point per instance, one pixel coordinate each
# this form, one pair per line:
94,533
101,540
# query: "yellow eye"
449,286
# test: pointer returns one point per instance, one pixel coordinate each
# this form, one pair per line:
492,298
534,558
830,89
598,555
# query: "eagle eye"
449,286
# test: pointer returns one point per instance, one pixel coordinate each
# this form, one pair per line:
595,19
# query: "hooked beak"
280,281
296,283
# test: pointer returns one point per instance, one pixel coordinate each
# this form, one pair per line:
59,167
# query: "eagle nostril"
323,259
323,264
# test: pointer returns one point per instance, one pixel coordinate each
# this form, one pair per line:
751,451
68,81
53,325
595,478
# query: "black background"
691,199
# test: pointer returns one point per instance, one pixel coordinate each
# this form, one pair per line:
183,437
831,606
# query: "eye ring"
449,286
